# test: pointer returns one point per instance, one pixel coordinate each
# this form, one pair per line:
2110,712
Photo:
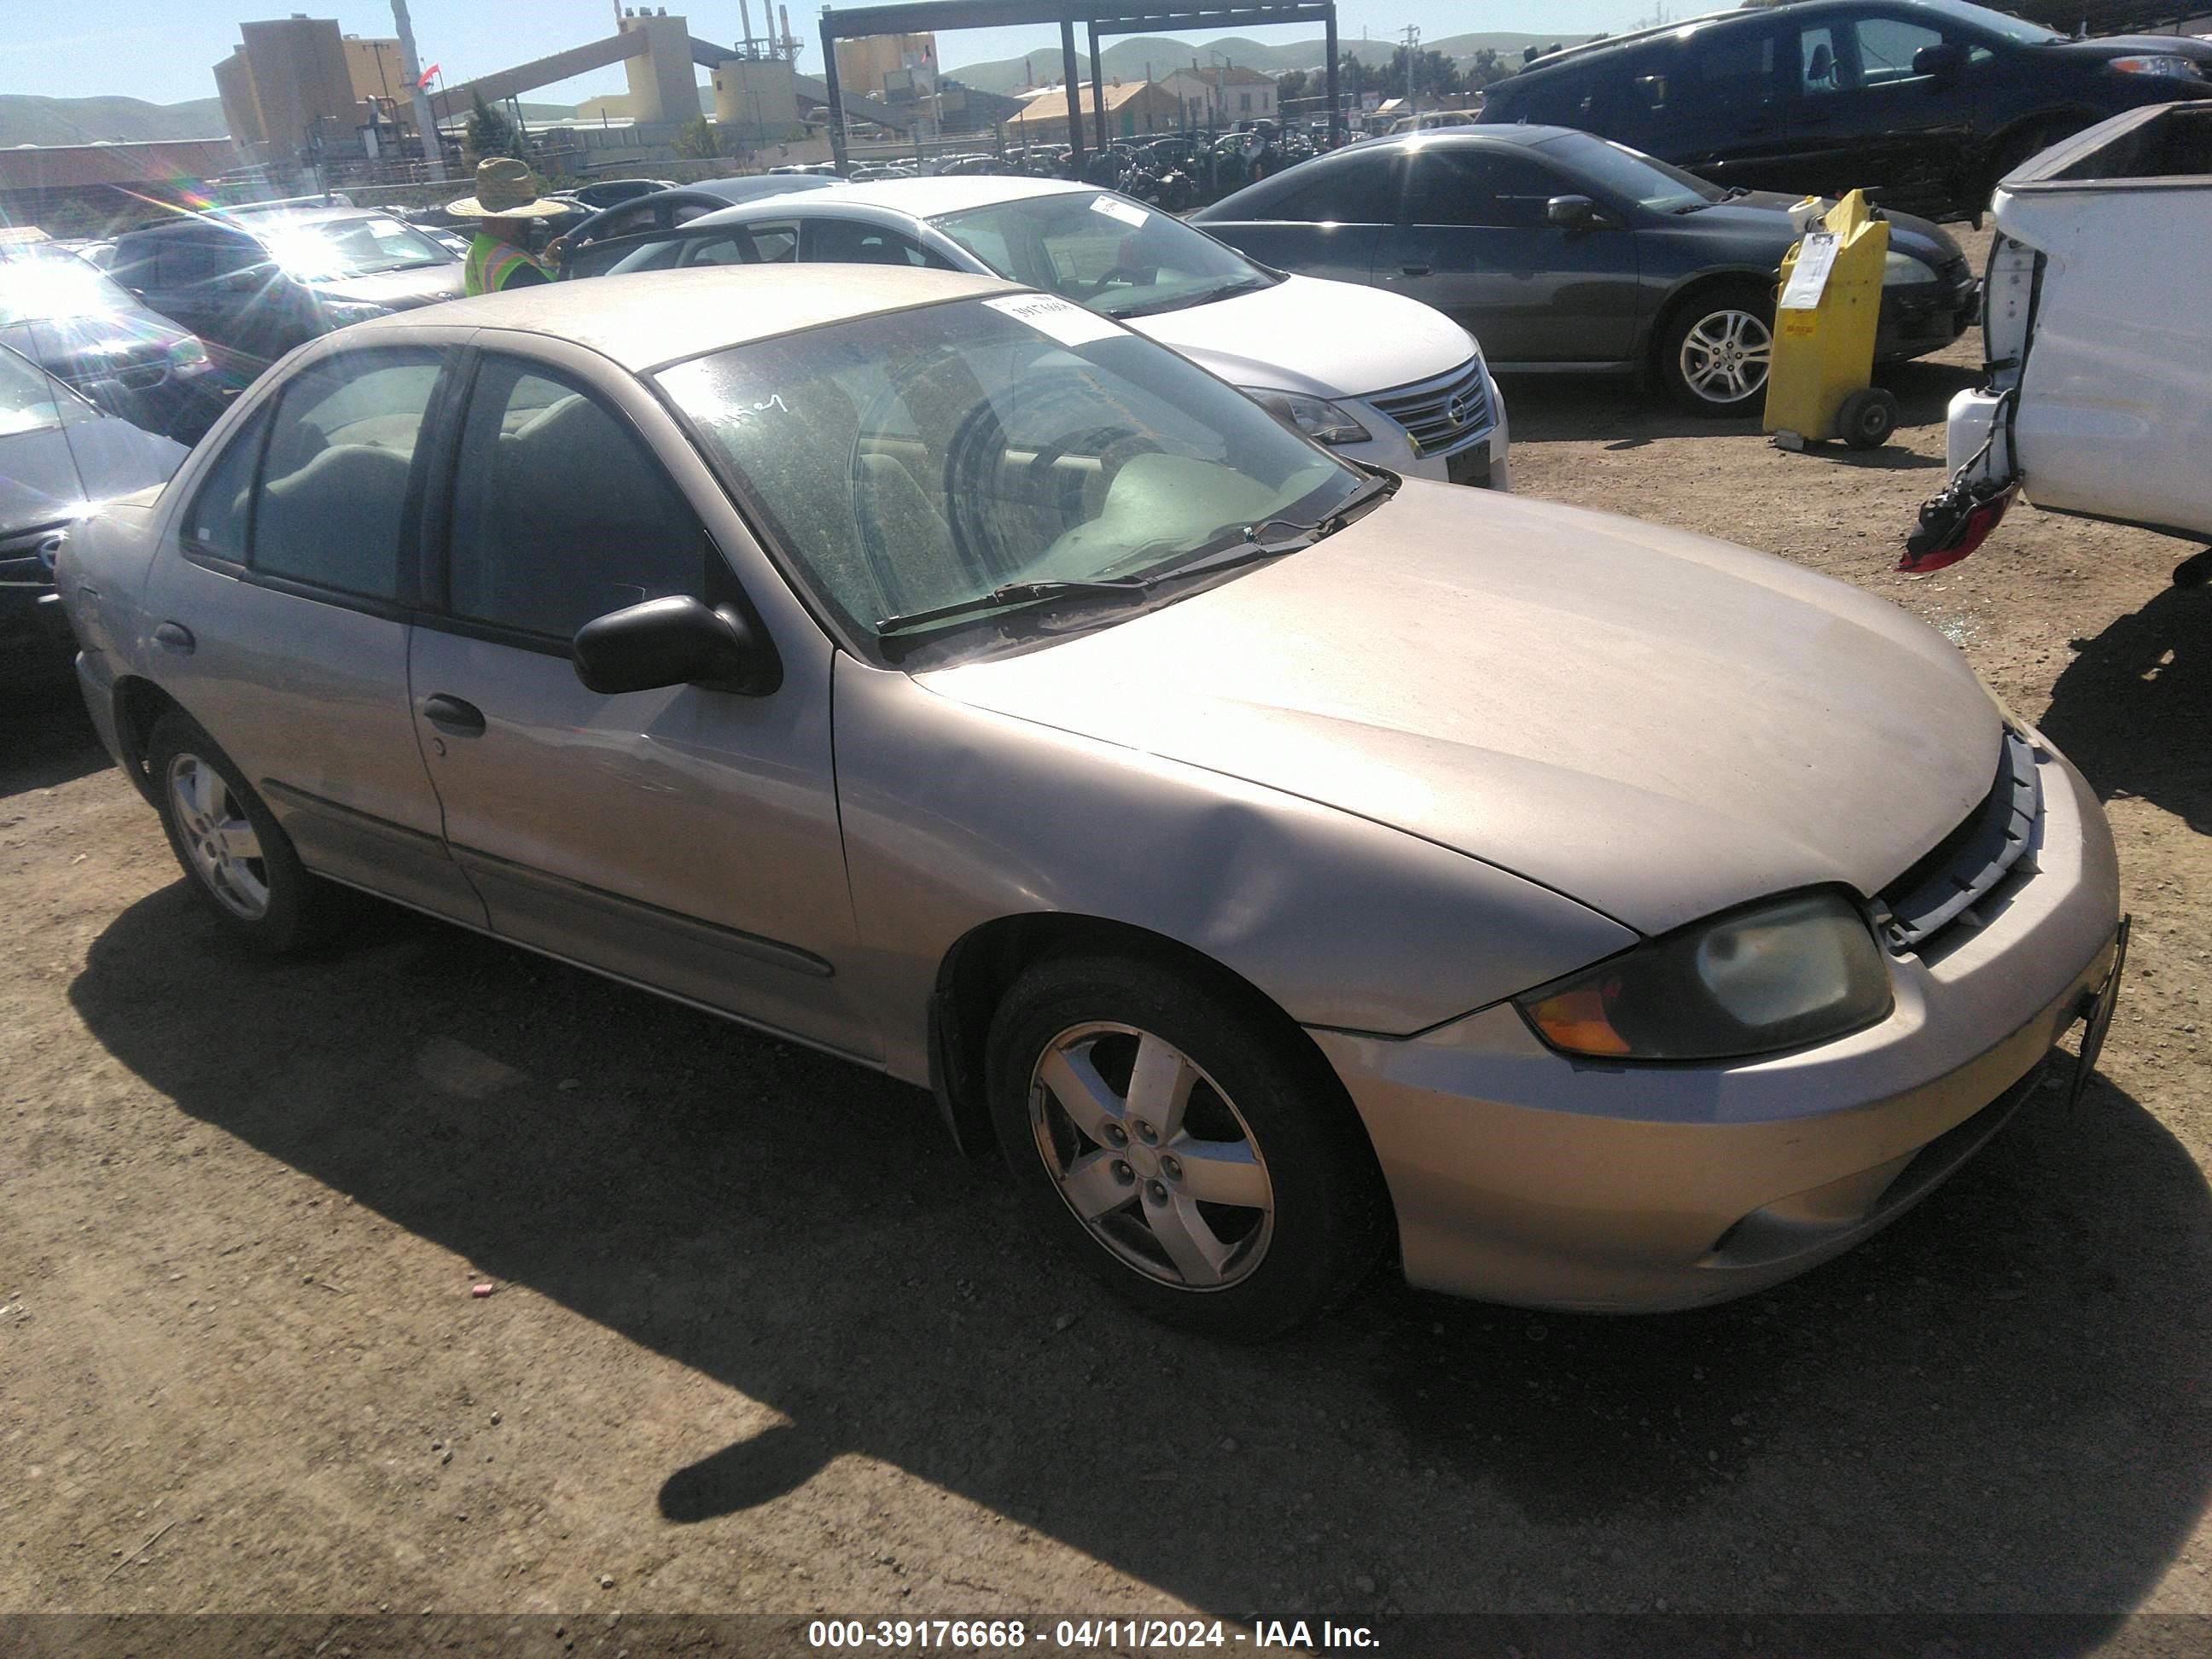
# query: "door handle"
1413,270
451,714
175,637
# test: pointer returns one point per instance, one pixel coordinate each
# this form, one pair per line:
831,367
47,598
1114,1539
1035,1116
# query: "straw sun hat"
506,189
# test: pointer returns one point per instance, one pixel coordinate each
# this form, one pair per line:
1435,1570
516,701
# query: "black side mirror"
676,640
1941,61
1570,212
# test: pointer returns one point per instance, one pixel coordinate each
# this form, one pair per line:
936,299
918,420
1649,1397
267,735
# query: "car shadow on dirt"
46,739
1619,411
1995,1405
2134,709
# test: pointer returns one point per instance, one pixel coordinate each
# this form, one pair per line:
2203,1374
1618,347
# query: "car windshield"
922,461
1630,175
31,400
44,285
1995,22
1103,251
331,250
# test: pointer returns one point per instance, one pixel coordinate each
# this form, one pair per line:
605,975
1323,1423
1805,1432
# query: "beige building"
873,64
757,100
1221,95
289,84
1133,108
377,73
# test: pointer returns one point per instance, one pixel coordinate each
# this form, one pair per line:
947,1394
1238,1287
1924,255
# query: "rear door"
1719,102
1326,219
1475,243
280,605
685,838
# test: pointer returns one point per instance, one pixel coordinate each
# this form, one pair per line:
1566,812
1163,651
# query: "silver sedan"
1284,864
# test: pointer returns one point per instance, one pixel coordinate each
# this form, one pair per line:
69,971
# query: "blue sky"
163,51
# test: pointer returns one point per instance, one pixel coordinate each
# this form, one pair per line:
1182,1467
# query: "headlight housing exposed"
1318,419
1779,974
2187,68
188,353
1900,268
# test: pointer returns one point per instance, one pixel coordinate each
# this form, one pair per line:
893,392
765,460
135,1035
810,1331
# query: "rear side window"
216,522
184,261
1477,187
332,507
1360,191
561,513
849,242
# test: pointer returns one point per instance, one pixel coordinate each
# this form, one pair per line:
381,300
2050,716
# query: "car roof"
646,318
953,192
1677,28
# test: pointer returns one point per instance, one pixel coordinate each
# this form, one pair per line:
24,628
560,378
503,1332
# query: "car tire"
1715,349
233,853
1255,1206
2016,150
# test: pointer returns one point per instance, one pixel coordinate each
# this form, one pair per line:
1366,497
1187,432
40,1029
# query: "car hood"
2106,47
1656,724
47,478
1768,211
399,291
1303,334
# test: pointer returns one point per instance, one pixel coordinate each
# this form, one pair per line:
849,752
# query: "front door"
1474,241
1877,115
685,838
281,625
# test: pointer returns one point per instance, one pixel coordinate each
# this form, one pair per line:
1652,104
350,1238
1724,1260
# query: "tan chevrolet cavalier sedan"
1284,864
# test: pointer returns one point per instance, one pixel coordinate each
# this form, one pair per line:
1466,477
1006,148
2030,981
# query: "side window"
1818,71
1358,192
1732,70
216,522
332,502
849,242
1476,187
560,514
1887,46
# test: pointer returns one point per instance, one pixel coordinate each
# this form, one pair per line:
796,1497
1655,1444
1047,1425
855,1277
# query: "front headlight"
2187,68
1318,419
1777,976
1900,268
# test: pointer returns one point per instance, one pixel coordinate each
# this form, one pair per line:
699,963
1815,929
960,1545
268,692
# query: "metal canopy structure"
932,16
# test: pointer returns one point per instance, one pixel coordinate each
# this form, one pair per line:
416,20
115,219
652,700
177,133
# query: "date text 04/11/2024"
907,1635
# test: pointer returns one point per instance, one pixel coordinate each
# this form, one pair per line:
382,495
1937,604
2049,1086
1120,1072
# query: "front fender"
954,815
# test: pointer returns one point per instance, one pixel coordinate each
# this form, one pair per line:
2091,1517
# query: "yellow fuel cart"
1827,310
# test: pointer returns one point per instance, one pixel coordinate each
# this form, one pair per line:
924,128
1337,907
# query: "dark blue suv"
1925,103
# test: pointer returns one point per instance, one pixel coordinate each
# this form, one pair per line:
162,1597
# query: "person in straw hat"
506,201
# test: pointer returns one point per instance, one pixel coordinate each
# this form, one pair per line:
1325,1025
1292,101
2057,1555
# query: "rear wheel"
1180,1147
1716,350
238,858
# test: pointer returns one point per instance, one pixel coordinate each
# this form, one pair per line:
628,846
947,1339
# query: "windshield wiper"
1118,588
1205,297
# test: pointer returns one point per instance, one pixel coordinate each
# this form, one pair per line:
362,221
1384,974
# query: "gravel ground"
759,1341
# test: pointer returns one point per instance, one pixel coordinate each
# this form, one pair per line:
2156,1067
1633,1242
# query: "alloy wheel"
1152,1157
1726,354
221,843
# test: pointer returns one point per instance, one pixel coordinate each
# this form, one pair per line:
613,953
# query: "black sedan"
598,243
1560,251
60,457
72,320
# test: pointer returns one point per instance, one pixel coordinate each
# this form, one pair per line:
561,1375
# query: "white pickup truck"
2097,326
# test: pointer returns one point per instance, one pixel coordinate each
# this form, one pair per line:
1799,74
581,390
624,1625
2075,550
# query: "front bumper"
1520,1175
1924,317
1481,455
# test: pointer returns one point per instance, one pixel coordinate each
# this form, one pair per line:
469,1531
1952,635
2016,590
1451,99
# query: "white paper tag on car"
1064,321
1115,208
1816,257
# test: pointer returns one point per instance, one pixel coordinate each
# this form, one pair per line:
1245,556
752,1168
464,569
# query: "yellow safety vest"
492,264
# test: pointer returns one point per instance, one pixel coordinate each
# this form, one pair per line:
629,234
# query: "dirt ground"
760,1341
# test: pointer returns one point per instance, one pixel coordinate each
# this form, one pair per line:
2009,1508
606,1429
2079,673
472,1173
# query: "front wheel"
1181,1147
1715,353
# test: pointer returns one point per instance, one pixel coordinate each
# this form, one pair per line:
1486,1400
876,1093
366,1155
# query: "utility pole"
426,123
1412,58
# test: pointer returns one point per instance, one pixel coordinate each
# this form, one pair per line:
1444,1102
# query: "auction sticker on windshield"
1064,321
1114,208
